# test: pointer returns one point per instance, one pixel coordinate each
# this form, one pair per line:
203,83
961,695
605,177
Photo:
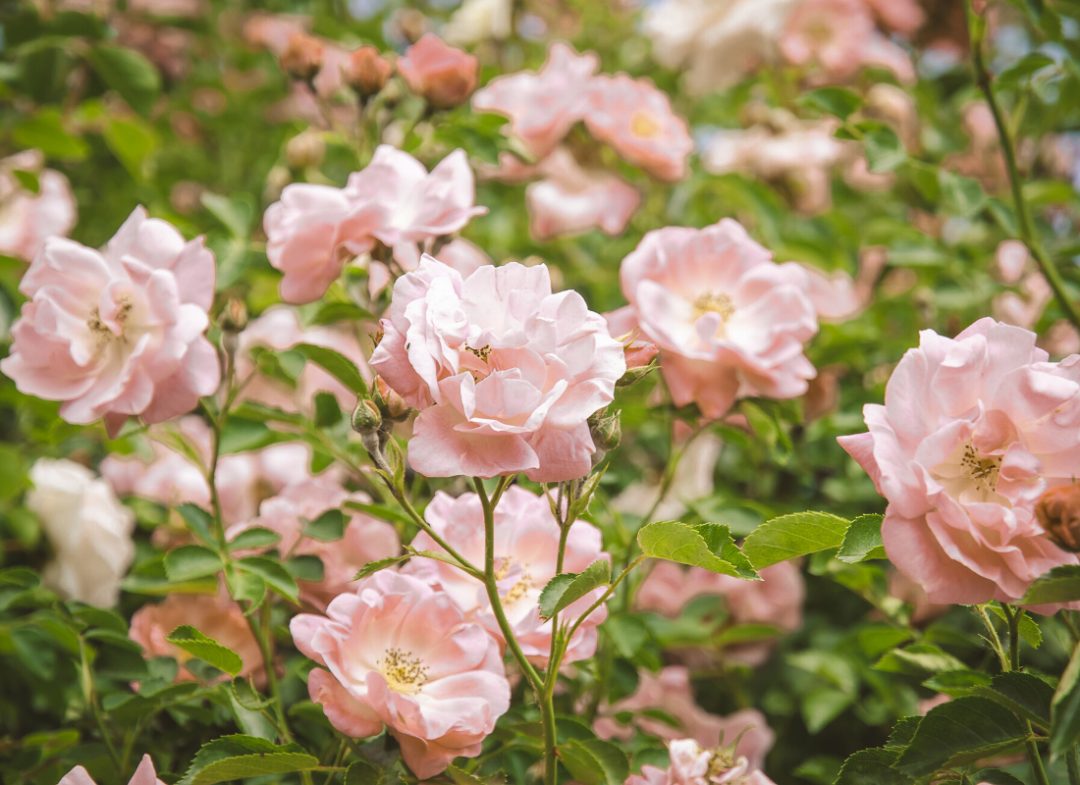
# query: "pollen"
484,352
644,125
404,672
714,302
982,470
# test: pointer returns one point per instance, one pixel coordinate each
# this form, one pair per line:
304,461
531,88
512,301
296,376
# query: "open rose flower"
542,106
636,119
445,76
570,199
974,429
118,332
144,775
27,218
526,547
504,372
728,320
399,654
692,764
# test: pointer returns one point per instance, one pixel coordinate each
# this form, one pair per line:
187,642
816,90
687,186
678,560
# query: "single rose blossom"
691,764
216,616
398,654
504,372
117,332
365,539
445,76
974,429
144,775
728,320
542,106
28,219
480,20
88,528
830,33
636,118
526,548
570,199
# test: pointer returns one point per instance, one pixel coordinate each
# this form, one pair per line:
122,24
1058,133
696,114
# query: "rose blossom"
972,432
365,539
478,20
399,654
144,775
27,219
542,106
445,76
635,118
216,616
693,765
117,332
729,321
88,528
504,373
526,547
570,199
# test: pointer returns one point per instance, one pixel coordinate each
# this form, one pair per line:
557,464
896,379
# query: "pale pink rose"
623,325
464,256
526,547
571,200
542,106
972,432
691,764
903,16
635,117
273,31
830,33
1010,260
445,76
834,295
399,654
1023,308
27,219
215,616
118,332
366,539
504,372
144,775
670,691
729,321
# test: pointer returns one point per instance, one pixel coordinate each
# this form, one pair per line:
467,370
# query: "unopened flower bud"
1058,511
234,317
366,417
306,149
393,406
367,71
634,375
302,57
606,430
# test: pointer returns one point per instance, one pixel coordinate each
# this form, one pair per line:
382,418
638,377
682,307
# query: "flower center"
644,124
404,672
504,567
714,302
519,589
721,761
102,332
982,470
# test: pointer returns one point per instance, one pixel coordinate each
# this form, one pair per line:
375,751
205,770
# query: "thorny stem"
977,32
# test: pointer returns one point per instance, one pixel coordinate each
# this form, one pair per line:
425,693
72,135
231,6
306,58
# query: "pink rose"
27,219
144,775
216,616
693,765
526,547
903,16
635,117
401,655
729,321
445,76
545,105
972,432
118,332
366,539
505,373
570,200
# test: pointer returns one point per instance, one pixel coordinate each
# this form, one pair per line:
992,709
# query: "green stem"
418,519
1013,616
90,695
1072,760
977,31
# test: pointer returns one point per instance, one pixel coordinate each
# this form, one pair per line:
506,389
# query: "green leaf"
331,313
306,568
884,150
257,538
198,521
45,131
961,731
327,410
871,767
957,683
1028,696
862,542
1065,708
336,364
241,767
837,101
1061,584
234,214
373,567
362,772
794,535
206,649
1019,71
685,544
191,561
129,73
995,777
276,577
919,659
327,527
594,762
961,195
243,435
569,587
133,141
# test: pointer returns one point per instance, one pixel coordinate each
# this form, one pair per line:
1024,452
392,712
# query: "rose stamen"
404,672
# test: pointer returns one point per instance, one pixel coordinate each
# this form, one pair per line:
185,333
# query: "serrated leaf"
206,649
685,544
191,561
871,767
567,588
1061,584
276,577
862,541
995,777
256,538
1027,696
254,765
594,762
373,567
336,364
327,527
918,659
794,535
198,521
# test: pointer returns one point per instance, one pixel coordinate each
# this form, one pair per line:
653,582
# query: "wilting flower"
399,654
88,529
27,218
445,76
215,616
973,431
636,119
543,106
504,372
526,548
117,332
144,775
691,764
570,199
729,321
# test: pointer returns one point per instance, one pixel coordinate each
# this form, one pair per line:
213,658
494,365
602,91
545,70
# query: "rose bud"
366,417
302,57
445,76
391,404
367,71
306,149
606,430
1058,511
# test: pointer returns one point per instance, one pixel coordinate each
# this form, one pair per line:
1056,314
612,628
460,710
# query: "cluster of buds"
374,418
